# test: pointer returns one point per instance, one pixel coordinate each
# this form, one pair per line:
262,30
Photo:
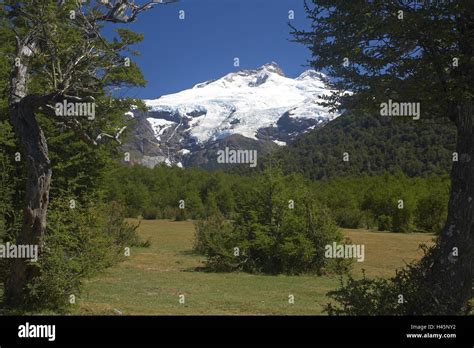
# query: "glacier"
240,102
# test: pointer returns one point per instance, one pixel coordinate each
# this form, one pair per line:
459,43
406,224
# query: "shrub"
368,220
431,212
401,220
409,292
364,297
79,243
151,213
384,223
215,238
271,237
181,215
170,213
348,217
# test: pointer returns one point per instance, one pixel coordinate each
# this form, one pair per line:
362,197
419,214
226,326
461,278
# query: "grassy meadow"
151,280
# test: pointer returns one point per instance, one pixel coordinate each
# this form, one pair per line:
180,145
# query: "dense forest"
374,145
393,202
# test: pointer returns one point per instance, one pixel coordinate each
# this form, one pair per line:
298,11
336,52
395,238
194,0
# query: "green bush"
431,212
368,220
181,215
409,292
170,212
384,223
364,297
151,213
270,236
348,217
401,220
215,238
79,243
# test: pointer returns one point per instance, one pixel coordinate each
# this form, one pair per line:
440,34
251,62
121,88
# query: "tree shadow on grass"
192,252
189,252
200,269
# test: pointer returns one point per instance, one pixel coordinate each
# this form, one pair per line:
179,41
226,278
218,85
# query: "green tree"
431,211
279,228
410,51
59,56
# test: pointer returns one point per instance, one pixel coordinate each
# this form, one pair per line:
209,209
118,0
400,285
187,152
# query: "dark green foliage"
354,202
269,235
410,52
216,239
409,59
384,222
84,240
11,172
80,242
375,144
151,213
431,211
10,185
364,297
406,293
156,193
373,202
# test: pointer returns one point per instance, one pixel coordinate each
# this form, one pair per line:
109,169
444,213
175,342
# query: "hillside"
374,144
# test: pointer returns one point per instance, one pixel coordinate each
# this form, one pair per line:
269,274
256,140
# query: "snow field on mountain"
242,103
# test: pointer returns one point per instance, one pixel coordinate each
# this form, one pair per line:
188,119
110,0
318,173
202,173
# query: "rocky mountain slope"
257,109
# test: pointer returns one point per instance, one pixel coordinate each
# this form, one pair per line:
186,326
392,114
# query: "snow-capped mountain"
261,105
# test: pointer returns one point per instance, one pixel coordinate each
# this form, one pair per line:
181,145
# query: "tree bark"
452,272
22,116
35,148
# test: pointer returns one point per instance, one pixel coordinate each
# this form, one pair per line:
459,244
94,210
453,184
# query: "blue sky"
176,54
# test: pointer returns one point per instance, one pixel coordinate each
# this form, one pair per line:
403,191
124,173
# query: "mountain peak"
259,104
272,67
312,74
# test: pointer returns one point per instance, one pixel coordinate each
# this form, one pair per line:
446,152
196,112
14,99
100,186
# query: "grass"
151,280
386,251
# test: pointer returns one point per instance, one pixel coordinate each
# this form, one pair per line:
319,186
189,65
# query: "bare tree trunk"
22,115
37,196
452,272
